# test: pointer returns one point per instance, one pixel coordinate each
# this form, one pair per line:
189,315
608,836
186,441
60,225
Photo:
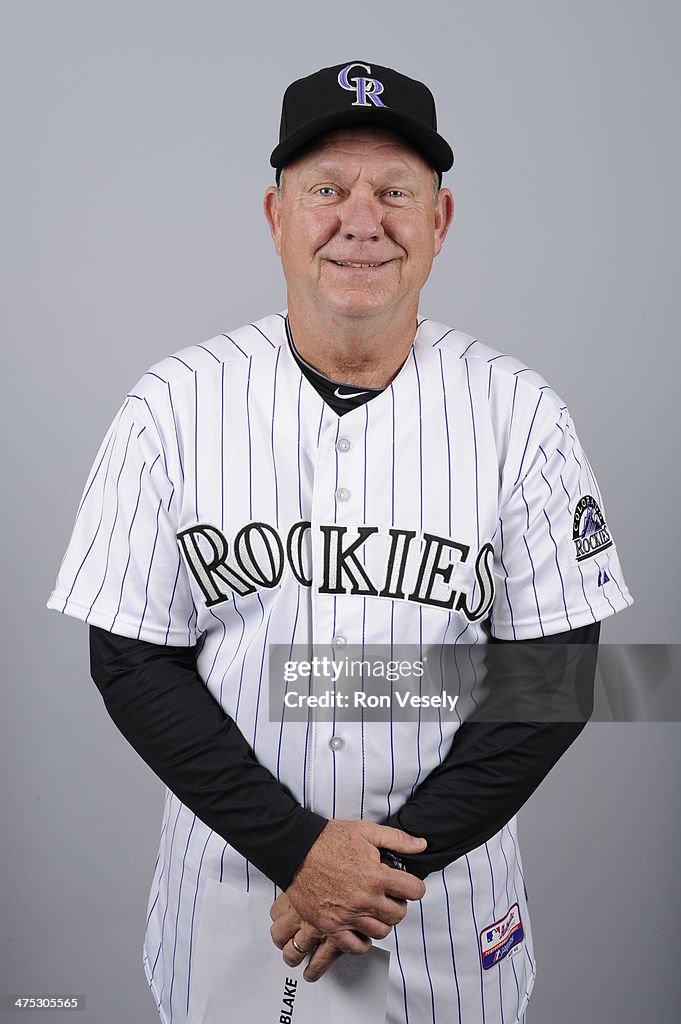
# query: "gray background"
136,139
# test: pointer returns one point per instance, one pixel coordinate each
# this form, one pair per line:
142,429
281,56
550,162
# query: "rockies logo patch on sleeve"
590,534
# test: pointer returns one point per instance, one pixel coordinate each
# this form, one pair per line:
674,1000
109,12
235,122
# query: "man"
346,473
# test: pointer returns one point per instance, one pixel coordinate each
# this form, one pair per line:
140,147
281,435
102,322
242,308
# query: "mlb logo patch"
499,939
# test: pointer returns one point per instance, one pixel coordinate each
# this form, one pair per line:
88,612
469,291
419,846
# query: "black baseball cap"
355,94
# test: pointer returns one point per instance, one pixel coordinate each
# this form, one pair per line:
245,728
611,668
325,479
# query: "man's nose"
361,217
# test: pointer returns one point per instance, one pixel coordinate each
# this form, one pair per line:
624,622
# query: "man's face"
357,226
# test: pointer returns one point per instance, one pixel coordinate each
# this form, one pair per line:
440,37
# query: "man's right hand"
342,886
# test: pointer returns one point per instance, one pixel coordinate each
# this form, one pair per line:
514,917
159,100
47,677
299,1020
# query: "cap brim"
432,146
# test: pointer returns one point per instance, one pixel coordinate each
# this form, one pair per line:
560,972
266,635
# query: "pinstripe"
260,676
476,930
613,576
364,613
334,630
449,523
567,508
420,418
95,473
172,597
560,575
222,446
548,521
529,434
177,435
308,730
515,392
237,347
151,562
192,615
236,651
158,856
451,947
204,348
517,894
300,475
196,445
111,534
508,903
167,892
186,365
495,913
276,520
218,649
425,961
127,563
475,459
243,664
445,335
392,603
283,715
268,340
177,917
193,921
529,555
94,538
250,439
506,591
321,420
274,416
396,932
145,403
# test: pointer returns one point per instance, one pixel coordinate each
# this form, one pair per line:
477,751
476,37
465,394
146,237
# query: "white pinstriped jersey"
456,502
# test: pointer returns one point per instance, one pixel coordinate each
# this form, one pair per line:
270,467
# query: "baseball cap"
355,94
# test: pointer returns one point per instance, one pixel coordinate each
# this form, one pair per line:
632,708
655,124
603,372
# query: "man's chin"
360,304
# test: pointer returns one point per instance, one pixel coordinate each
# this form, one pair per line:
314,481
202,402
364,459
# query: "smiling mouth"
358,266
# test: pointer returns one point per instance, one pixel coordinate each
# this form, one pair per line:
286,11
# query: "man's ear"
272,208
444,213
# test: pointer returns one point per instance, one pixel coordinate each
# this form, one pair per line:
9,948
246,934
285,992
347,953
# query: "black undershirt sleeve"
540,698
159,703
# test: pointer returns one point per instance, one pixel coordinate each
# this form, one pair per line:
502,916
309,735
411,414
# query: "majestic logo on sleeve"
259,556
590,534
368,90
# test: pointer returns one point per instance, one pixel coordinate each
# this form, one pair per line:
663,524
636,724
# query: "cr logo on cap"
368,89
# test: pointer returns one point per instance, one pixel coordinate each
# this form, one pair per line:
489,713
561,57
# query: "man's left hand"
322,949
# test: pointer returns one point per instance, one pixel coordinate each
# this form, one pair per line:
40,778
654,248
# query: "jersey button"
344,444
336,743
339,640
342,494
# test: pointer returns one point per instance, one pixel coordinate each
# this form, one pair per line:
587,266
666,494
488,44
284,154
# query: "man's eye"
325,191
395,193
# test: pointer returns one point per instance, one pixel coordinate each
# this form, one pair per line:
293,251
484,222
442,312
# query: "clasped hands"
342,896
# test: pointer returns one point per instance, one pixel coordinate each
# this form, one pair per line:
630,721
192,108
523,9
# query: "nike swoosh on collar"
350,394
